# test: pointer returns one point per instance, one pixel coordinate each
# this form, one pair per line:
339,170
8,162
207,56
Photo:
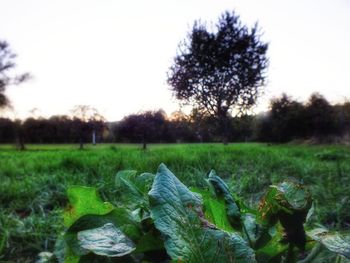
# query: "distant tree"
242,128
62,129
144,127
180,128
342,112
7,130
87,121
287,119
321,116
205,126
220,72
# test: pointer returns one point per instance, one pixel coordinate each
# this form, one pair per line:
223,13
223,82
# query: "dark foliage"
286,120
289,119
56,129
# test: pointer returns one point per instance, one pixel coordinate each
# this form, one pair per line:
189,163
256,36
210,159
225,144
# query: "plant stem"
290,254
314,252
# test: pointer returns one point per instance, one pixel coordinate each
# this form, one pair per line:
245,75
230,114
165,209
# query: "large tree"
7,76
220,69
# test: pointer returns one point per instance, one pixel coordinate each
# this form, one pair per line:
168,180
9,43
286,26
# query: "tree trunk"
144,144
224,126
20,143
19,137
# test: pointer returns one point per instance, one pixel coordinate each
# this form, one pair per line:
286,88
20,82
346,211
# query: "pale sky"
114,54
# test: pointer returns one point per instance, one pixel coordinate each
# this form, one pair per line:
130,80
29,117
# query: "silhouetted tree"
321,116
242,128
288,119
149,126
87,121
342,112
8,78
205,126
220,72
7,130
180,128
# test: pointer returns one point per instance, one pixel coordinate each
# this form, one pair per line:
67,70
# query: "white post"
93,137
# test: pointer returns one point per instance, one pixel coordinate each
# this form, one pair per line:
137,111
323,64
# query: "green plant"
157,218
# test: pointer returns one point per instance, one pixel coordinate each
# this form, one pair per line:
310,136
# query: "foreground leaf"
107,240
214,210
83,201
134,188
232,208
333,241
273,250
177,214
119,217
288,203
149,242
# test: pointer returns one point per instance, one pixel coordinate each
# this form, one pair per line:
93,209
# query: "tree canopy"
7,77
222,69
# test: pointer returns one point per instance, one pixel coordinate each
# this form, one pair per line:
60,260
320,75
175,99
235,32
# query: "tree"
87,120
220,71
145,127
287,119
320,116
7,78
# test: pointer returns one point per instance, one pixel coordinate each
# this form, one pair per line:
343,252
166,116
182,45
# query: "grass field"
33,182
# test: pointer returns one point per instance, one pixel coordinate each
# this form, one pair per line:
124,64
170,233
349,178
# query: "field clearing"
33,182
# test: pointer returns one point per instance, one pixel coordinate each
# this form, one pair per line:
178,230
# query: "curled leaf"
334,241
289,203
232,208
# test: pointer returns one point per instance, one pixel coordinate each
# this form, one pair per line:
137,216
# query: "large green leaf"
177,214
334,241
83,201
87,211
107,240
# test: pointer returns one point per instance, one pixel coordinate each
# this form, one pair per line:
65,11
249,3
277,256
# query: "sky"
114,54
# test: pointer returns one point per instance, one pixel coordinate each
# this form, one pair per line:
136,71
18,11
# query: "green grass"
33,182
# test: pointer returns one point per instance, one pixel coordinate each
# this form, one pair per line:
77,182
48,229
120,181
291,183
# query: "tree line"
287,119
219,70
